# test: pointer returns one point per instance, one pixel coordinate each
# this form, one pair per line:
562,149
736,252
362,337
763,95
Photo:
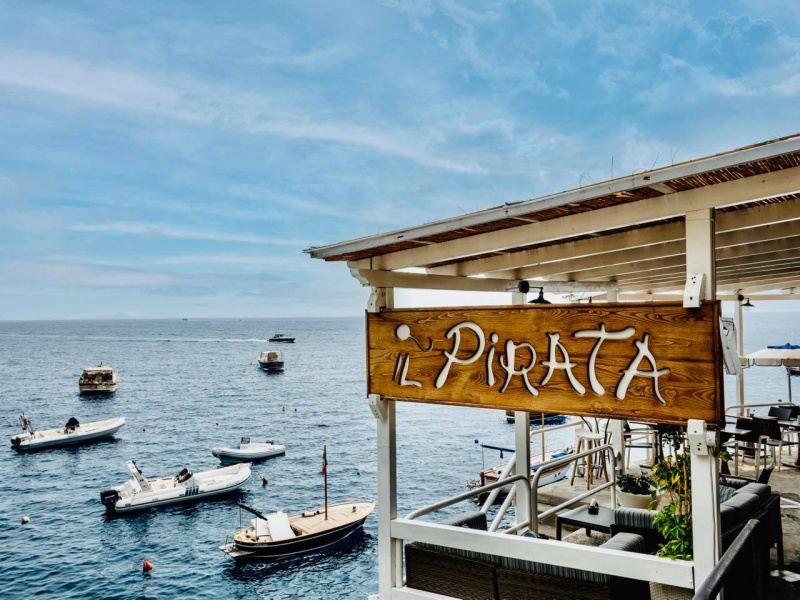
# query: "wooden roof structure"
626,234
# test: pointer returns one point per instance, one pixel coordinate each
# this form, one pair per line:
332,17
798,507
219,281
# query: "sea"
186,386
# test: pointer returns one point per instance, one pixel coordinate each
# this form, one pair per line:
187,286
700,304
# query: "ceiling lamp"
540,299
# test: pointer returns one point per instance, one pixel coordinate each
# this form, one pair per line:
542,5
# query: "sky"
174,159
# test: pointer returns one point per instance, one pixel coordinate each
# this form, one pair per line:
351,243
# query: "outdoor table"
580,516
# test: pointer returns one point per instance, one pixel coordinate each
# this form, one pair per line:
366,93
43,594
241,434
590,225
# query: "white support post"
700,259
390,551
616,427
740,352
522,446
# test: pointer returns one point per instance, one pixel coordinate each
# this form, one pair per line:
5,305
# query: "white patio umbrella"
787,356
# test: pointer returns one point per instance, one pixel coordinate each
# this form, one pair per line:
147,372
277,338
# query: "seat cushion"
726,492
761,490
629,542
745,505
727,516
635,517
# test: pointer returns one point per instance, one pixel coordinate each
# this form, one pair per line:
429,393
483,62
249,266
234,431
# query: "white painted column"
700,259
390,552
522,445
616,427
740,351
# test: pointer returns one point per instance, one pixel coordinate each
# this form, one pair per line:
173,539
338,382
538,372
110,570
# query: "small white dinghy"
248,451
71,434
138,492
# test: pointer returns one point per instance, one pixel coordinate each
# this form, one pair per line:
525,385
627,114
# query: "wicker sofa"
478,576
740,501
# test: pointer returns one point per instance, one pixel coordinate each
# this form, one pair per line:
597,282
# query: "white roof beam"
741,282
604,259
725,240
397,279
784,285
755,216
786,181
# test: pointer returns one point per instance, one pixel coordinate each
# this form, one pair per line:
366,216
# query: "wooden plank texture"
657,361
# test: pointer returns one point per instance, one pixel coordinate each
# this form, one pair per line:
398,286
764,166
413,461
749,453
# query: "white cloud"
169,231
202,104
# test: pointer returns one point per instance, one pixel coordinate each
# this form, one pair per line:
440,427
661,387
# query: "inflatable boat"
138,492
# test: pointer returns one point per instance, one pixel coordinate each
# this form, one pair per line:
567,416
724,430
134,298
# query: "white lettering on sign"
455,332
508,361
633,369
490,359
509,365
601,335
552,364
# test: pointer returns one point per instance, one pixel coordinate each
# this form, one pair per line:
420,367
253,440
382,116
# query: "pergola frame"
731,221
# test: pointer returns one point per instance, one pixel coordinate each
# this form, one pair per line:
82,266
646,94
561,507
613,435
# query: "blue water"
187,386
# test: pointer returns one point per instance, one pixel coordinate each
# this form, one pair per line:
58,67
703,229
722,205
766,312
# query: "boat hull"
97,389
548,476
55,438
272,367
117,500
234,455
293,547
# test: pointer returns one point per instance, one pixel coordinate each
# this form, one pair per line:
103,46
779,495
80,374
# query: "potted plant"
672,476
635,491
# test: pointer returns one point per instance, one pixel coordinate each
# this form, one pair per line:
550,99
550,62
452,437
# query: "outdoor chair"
738,482
744,444
644,438
786,414
770,435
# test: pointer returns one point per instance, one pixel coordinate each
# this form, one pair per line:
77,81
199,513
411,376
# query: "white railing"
572,501
742,407
611,562
512,462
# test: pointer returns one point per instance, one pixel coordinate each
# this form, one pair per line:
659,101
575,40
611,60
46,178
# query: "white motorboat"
248,451
72,433
98,380
279,535
138,492
281,338
271,361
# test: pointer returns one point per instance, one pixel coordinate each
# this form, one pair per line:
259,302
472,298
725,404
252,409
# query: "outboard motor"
184,475
109,498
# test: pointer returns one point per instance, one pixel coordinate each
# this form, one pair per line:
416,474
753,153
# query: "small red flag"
324,460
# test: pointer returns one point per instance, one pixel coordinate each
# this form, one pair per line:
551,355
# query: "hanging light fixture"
540,299
747,305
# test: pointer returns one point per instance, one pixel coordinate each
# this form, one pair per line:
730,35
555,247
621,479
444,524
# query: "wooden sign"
656,362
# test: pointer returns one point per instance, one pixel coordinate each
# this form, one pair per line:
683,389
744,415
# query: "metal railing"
563,461
741,407
512,463
532,491
744,543
467,495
